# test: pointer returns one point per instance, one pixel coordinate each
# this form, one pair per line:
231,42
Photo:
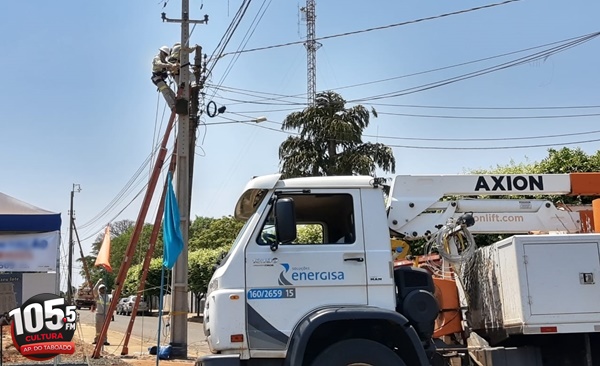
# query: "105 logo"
43,327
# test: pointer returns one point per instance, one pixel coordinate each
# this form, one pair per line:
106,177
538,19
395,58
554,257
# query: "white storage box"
533,284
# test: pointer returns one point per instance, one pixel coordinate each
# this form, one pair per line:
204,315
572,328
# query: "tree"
567,160
330,141
561,161
214,233
511,168
311,233
199,225
202,264
152,285
120,232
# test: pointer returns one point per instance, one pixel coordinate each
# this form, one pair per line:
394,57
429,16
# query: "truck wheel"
362,352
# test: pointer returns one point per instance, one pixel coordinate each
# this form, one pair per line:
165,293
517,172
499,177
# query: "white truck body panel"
300,279
544,281
416,208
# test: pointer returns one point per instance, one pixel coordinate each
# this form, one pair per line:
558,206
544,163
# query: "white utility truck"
339,300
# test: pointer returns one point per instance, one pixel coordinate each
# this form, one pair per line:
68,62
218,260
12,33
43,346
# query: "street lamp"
255,120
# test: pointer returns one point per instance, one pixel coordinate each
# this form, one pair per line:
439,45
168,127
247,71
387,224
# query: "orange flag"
103,258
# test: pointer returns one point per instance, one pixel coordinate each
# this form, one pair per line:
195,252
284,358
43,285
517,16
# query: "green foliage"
510,168
199,225
562,161
152,284
202,264
209,239
310,234
330,141
121,233
567,160
214,233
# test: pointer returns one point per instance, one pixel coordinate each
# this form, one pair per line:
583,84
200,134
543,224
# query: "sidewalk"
110,356
138,353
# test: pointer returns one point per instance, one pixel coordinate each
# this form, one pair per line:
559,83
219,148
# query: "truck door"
324,266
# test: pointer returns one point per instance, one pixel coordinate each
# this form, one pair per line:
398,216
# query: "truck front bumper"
218,360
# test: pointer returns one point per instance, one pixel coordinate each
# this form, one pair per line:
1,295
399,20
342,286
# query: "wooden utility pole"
70,261
185,153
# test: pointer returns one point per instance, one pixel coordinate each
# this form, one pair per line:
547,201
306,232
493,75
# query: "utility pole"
70,264
311,51
185,153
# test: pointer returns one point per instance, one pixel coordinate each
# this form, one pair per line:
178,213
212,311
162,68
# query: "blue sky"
79,106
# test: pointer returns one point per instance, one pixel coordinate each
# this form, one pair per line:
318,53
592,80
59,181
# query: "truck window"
321,219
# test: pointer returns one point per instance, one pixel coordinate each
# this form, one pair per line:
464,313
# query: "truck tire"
357,351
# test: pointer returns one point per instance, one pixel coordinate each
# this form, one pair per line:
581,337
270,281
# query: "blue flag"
172,238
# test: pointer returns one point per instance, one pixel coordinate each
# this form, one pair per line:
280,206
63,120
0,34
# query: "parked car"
142,306
122,306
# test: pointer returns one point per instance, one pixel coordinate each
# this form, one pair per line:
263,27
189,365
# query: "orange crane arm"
585,184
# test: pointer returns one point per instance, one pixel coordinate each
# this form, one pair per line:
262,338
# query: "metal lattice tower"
311,51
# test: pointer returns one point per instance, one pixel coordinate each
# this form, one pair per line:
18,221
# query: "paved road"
146,328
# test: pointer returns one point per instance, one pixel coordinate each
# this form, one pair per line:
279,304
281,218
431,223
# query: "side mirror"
285,222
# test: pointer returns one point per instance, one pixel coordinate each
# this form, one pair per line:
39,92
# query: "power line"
482,139
375,28
235,22
493,147
165,167
536,56
253,25
484,108
490,117
253,94
562,135
302,95
460,139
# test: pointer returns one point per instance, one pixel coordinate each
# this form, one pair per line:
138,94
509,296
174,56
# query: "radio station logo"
43,327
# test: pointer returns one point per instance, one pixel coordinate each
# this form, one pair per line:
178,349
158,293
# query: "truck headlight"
213,285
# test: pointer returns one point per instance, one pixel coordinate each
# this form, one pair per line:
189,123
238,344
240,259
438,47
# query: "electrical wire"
253,94
124,191
421,147
297,96
484,108
493,147
165,167
481,139
129,187
490,117
374,28
235,22
516,62
249,33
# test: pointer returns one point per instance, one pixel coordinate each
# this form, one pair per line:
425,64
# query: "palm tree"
330,141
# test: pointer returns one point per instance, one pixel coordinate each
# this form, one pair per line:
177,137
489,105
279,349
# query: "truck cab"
279,298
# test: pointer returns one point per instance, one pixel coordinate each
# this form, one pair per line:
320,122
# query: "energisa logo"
289,274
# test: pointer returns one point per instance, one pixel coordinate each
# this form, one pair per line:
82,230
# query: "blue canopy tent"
19,216
29,240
